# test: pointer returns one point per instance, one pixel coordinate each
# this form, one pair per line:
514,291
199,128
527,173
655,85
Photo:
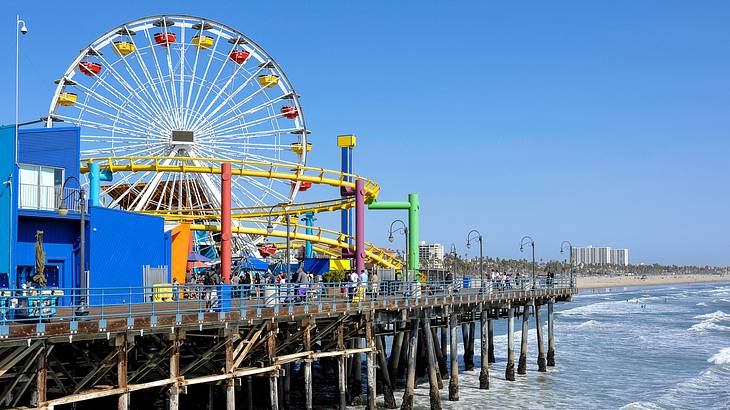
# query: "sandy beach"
592,282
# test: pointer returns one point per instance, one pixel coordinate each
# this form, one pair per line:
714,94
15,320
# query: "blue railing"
73,304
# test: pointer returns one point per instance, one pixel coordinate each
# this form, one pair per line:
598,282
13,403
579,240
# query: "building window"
40,187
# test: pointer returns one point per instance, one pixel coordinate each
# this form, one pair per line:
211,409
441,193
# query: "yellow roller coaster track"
298,173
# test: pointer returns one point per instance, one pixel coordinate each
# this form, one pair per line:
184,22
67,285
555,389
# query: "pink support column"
226,222
359,225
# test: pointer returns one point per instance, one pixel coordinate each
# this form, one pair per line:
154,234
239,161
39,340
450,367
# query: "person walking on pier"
374,284
354,279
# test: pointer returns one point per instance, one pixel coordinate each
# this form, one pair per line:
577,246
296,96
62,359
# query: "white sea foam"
721,357
716,316
701,304
708,326
590,324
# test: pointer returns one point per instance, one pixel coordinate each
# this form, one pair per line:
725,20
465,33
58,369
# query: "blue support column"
309,219
94,183
346,143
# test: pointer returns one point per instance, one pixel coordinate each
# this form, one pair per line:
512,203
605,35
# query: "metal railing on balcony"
48,198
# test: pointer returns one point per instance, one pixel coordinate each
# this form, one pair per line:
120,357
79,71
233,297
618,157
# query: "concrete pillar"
551,335
411,375
540,346
490,329
522,367
484,374
509,373
454,380
433,370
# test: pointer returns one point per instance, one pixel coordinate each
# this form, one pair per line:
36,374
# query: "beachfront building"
599,255
431,255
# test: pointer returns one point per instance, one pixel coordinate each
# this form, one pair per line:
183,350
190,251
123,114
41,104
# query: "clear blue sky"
603,123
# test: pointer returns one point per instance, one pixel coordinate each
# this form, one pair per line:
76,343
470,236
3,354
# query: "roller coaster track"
333,239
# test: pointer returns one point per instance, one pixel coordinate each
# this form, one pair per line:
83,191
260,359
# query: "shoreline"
594,282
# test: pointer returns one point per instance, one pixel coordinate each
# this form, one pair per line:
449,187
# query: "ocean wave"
701,304
716,316
708,326
721,357
589,324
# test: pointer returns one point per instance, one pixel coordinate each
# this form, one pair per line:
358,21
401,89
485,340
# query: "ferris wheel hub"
182,137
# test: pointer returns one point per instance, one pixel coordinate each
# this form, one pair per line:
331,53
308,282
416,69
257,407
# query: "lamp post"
20,28
391,238
469,239
270,229
522,248
63,211
570,257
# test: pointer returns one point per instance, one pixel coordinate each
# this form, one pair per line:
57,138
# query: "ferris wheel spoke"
250,111
136,112
204,116
196,110
150,105
244,126
189,121
100,126
113,118
253,134
182,75
163,98
173,92
222,88
190,87
255,200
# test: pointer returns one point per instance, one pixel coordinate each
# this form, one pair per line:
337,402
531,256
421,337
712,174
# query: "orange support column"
180,250
226,222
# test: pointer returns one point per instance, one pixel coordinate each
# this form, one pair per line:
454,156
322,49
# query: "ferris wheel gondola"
180,89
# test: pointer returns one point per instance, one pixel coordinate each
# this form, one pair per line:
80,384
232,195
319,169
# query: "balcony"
48,198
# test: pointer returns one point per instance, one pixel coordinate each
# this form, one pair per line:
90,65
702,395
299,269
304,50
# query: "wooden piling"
444,345
454,380
490,330
385,379
371,357
307,341
273,376
407,403
397,347
121,343
42,374
342,377
440,358
540,346
249,392
551,335
174,391
522,366
509,373
484,374
470,348
433,371
274,391
230,383
356,384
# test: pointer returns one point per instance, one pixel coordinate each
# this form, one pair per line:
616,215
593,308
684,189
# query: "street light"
391,238
522,248
20,28
63,211
470,238
570,257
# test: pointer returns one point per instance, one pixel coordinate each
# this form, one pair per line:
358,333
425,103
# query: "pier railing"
74,305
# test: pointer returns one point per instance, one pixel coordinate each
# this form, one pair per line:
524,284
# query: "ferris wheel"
181,89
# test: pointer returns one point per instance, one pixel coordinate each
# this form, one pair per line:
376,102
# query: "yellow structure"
340,264
124,47
67,99
346,141
203,42
268,80
162,292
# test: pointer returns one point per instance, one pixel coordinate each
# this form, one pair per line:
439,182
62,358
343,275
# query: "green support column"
412,206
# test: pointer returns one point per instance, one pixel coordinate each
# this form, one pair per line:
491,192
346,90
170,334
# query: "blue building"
118,243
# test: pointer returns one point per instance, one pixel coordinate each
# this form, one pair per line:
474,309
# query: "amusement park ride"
163,102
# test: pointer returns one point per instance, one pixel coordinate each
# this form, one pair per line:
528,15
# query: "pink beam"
359,225
226,222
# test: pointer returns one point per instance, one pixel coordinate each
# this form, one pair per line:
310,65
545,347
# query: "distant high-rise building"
431,255
600,255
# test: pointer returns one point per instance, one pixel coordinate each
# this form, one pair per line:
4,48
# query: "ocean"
658,347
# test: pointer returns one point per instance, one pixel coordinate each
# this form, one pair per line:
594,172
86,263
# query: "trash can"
270,295
466,282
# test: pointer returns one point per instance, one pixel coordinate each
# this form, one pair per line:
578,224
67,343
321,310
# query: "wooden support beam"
307,342
490,335
273,378
522,366
371,358
541,367
174,391
385,379
342,382
433,371
465,343
407,403
440,358
230,334
42,374
17,355
470,348
551,334
454,356
484,374
122,345
444,343
397,347
7,394
509,372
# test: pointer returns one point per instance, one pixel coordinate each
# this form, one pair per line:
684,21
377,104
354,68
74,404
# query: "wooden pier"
254,356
